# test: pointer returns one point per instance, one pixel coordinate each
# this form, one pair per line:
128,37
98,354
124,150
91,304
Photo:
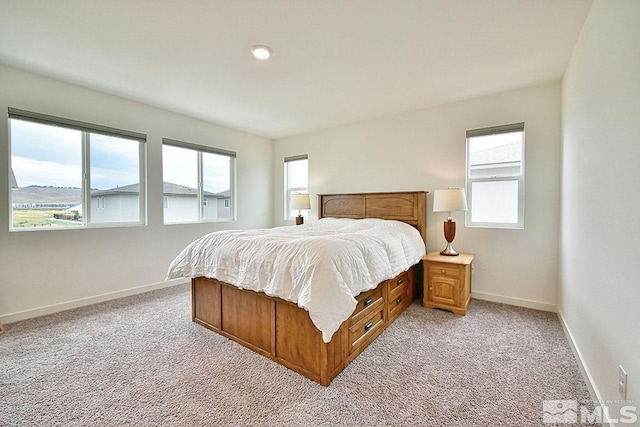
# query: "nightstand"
447,282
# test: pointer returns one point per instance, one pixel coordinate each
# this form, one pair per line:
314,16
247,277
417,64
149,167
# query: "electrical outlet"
622,382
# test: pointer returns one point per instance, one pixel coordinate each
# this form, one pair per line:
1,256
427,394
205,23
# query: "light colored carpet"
141,361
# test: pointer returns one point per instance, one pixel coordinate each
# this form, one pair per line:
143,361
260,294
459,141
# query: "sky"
52,156
490,141
49,155
180,166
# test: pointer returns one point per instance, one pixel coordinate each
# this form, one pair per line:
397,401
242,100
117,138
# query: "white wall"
39,269
599,292
425,150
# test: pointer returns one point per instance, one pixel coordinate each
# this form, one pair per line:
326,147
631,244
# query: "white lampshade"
453,199
300,201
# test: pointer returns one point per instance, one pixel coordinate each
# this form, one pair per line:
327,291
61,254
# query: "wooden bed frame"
283,332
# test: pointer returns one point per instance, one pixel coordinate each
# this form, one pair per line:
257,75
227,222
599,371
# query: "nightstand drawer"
445,270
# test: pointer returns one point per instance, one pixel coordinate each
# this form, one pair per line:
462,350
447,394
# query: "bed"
298,335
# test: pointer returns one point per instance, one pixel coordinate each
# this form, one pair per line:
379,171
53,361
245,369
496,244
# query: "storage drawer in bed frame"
283,332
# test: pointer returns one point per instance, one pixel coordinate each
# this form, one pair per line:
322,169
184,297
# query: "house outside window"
495,177
198,183
67,169
296,180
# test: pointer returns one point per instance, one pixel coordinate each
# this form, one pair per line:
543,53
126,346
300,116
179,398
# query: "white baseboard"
68,305
520,302
588,379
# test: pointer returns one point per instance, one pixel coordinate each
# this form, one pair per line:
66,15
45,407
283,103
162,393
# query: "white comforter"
321,266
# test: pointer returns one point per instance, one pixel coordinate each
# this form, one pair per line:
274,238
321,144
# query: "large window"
495,177
198,183
67,173
296,180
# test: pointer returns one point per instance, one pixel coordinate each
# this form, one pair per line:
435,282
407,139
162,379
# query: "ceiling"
334,61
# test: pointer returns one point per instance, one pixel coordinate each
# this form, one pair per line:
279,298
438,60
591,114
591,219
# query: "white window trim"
519,178
86,129
293,190
200,149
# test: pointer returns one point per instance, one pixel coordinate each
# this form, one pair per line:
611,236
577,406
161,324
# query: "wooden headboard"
409,207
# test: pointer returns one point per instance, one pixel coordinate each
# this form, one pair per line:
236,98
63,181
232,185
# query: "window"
74,174
296,180
495,177
198,182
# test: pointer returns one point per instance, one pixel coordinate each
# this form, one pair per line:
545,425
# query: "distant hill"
36,194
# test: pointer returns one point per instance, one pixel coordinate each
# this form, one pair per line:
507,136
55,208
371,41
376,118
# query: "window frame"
290,190
520,178
86,129
200,150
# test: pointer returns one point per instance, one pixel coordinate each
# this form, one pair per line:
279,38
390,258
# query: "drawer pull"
443,271
400,281
368,302
399,300
368,326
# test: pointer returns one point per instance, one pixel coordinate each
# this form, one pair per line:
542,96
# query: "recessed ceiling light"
261,52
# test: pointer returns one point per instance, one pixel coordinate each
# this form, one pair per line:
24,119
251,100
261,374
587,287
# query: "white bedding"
321,266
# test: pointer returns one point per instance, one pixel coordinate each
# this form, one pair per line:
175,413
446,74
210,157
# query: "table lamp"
452,199
299,202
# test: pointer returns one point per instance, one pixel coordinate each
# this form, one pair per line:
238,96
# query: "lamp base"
299,220
449,235
449,251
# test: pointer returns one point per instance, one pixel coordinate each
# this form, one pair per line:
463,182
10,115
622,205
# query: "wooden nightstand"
447,282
